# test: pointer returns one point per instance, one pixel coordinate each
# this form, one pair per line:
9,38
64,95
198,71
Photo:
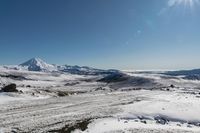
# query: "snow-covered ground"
63,102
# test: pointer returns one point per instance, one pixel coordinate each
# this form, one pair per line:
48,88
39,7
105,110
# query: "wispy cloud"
190,3
187,4
170,3
173,2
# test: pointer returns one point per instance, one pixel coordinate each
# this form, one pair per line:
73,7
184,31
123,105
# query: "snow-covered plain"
63,102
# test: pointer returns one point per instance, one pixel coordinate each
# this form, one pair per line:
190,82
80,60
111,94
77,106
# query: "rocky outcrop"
10,88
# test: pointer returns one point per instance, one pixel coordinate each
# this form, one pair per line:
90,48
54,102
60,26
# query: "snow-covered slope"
62,102
186,74
37,64
83,70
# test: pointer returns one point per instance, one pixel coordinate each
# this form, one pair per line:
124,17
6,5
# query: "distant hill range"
193,74
38,65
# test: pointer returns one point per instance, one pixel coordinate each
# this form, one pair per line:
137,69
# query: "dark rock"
48,91
71,84
143,121
161,120
10,88
125,121
15,77
194,123
28,86
100,88
62,94
81,125
179,125
172,86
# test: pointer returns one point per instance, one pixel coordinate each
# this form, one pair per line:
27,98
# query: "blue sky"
122,34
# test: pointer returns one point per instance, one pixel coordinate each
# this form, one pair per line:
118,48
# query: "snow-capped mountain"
37,64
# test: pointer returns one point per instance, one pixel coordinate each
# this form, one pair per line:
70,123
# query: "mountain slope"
37,64
84,70
186,74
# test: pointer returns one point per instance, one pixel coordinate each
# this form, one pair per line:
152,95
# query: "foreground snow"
117,126
60,102
119,111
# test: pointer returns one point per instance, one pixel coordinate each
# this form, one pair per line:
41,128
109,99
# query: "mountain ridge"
39,65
